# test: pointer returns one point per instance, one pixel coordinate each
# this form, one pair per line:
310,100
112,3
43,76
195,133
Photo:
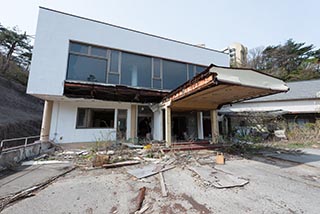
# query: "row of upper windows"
95,64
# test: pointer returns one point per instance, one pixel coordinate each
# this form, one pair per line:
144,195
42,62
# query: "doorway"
145,123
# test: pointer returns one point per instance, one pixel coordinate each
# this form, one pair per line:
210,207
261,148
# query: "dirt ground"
275,186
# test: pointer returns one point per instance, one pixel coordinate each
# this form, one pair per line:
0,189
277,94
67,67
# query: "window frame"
108,64
87,119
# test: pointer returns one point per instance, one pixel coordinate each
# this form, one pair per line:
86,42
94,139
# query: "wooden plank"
163,186
143,209
140,198
124,163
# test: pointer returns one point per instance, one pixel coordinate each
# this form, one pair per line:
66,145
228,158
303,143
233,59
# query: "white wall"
64,116
55,30
298,106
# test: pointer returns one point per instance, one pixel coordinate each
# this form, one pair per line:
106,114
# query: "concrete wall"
55,30
298,106
64,116
11,157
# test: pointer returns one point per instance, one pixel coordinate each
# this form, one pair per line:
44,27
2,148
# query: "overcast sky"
215,23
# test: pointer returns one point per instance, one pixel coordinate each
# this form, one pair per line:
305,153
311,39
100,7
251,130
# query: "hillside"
20,114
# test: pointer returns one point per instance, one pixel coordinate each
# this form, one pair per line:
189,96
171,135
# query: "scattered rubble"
153,161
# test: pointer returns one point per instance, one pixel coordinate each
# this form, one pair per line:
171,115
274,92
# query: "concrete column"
168,125
133,119
46,120
214,125
158,125
200,125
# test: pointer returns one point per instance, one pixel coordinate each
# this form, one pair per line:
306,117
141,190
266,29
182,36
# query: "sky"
214,23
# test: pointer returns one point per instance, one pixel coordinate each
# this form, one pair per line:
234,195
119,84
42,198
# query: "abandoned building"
101,81
299,106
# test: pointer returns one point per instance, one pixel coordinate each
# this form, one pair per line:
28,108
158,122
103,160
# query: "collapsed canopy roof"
217,86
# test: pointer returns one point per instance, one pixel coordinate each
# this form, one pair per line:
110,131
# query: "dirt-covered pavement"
275,186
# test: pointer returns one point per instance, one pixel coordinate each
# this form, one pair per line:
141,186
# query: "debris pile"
151,160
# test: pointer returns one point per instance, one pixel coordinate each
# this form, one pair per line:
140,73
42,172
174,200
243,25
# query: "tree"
255,58
289,61
288,57
14,46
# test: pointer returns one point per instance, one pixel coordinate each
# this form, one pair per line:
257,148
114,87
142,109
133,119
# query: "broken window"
95,118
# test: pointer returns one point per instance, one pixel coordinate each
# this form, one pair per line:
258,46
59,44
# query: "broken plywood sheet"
218,179
148,170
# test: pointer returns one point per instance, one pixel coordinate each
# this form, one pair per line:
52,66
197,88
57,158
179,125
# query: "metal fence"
15,142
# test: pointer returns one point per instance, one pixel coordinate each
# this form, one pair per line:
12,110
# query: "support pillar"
168,125
133,126
200,125
46,121
214,126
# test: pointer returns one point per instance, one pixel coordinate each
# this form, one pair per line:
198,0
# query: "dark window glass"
99,52
95,118
81,118
113,78
136,70
122,124
86,68
174,74
79,48
191,71
199,69
156,68
157,83
114,62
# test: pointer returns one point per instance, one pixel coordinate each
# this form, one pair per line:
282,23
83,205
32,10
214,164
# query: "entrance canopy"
217,86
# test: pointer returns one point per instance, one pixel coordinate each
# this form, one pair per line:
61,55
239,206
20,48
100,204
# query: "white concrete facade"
55,30
64,117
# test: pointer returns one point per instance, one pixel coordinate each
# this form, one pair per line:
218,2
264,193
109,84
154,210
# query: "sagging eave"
210,82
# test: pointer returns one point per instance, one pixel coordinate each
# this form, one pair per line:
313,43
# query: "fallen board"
218,179
148,170
46,162
120,164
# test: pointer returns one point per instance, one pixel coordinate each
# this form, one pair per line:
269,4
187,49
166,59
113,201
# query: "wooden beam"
214,126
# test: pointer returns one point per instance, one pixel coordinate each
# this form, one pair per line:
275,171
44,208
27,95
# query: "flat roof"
132,30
